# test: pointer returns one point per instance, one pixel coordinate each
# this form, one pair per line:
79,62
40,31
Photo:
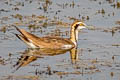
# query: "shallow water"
98,48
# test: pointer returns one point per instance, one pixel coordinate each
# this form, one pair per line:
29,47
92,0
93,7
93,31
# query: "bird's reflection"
31,55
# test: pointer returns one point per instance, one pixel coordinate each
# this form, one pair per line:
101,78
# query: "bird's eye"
81,24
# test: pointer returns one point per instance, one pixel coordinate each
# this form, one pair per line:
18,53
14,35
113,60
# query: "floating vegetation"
72,18
112,30
19,23
87,18
16,9
117,22
3,29
89,50
83,18
5,18
45,24
100,51
101,11
2,61
29,20
66,5
3,10
34,21
56,32
111,1
48,2
24,77
72,5
41,17
112,74
31,26
59,23
46,5
48,71
117,45
18,16
116,5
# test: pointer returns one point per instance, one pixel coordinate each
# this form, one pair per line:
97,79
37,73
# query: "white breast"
67,46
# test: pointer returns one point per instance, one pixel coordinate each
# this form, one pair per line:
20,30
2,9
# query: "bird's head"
78,25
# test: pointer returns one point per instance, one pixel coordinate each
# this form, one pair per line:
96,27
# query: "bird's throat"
74,36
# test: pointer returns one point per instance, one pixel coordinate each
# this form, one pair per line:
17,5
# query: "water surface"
98,48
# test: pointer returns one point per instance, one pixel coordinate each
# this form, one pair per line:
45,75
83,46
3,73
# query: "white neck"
74,36
74,31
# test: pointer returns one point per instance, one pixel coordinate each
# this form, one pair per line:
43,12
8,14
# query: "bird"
52,42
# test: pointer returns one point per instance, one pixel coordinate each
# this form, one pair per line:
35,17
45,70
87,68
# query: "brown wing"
54,42
44,42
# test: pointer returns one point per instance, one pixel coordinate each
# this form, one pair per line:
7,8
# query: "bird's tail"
21,36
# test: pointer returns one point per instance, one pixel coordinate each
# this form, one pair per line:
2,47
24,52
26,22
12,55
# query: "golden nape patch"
82,24
75,22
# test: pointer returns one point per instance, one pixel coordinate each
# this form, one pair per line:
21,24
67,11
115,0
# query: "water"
98,49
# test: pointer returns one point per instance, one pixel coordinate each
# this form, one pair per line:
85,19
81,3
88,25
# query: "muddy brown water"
98,52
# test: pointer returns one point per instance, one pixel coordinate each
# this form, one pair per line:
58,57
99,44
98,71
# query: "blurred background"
98,47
